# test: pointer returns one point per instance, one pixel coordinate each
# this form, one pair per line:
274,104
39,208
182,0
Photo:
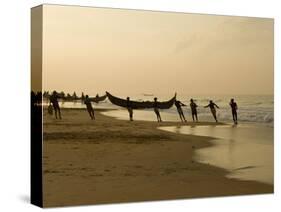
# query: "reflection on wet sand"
245,150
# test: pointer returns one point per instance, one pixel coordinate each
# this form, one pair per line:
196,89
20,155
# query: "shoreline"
230,149
160,165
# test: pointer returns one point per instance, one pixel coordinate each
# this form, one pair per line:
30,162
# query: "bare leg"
214,115
130,114
160,118
157,116
180,116
183,117
59,113
235,117
90,113
56,113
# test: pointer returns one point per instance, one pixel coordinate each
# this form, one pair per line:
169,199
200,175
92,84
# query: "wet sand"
246,150
111,161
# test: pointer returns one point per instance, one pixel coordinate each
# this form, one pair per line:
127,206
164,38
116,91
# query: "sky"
130,52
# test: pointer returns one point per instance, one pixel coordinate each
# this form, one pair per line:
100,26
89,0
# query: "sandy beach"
110,161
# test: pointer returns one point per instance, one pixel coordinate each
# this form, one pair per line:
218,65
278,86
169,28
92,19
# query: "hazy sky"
128,51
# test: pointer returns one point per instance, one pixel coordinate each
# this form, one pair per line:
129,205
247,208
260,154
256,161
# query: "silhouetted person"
234,108
129,108
39,98
178,104
213,107
54,100
156,110
97,99
89,106
193,107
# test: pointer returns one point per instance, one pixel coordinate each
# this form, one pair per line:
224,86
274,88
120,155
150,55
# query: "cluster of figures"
193,107
54,105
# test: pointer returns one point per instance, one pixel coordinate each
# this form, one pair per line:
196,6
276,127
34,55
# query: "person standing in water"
156,110
54,100
179,104
234,108
129,108
193,107
89,106
213,107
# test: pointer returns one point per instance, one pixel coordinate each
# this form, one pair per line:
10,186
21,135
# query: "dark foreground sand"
111,161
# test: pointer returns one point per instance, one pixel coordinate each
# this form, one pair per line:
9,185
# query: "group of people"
193,106
54,105
211,105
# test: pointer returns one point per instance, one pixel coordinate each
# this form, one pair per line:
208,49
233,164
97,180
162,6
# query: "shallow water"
245,150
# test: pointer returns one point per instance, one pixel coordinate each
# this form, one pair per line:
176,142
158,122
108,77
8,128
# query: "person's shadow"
24,198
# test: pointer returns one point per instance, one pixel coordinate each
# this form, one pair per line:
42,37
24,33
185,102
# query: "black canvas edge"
36,175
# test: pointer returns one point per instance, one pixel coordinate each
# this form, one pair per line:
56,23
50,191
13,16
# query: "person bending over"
89,106
179,104
213,107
